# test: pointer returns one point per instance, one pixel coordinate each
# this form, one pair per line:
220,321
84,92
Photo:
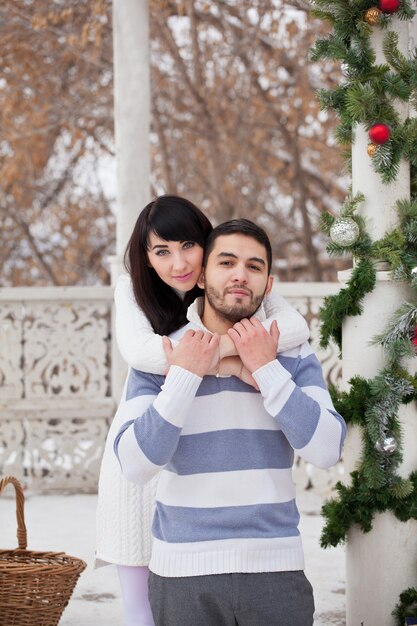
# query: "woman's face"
177,263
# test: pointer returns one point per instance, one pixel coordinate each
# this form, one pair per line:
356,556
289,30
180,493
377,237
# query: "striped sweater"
225,498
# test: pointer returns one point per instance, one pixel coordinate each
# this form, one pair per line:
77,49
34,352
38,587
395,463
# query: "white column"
379,206
131,114
132,130
380,564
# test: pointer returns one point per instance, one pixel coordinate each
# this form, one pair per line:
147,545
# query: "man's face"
236,278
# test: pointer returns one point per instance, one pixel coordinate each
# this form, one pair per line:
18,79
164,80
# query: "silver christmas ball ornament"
414,271
387,445
344,231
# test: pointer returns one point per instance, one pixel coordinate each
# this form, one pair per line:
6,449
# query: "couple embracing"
215,431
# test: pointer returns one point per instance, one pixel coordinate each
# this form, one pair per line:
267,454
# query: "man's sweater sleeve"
302,406
153,419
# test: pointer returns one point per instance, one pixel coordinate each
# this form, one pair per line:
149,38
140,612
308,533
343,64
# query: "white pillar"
379,206
132,130
382,563
131,115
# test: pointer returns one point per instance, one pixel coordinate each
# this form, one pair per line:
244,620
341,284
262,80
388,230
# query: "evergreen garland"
367,96
374,404
346,303
398,248
407,606
368,90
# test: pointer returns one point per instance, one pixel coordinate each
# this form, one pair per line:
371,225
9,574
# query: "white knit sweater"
125,510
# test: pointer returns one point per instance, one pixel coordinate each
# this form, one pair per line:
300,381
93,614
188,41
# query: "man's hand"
255,346
197,352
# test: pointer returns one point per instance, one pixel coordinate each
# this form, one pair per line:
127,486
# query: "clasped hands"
200,352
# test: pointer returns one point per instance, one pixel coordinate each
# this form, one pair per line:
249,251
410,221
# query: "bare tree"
56,122
234,94
235,126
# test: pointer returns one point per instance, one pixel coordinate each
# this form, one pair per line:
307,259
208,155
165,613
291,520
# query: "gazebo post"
132,130
382,563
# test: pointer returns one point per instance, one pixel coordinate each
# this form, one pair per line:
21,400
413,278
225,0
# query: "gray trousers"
267,599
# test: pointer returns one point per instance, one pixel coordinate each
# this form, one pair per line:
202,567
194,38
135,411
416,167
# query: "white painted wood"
57,397
384,562
131,113
56,294
379,205
380,564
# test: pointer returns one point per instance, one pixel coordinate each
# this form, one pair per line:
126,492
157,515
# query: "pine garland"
348,302
375,487
374,404
398,248
368,95
357,504
368,91
407,606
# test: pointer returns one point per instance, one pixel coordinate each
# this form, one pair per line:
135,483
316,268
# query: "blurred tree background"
236,128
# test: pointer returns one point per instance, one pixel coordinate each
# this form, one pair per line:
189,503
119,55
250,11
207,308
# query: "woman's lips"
184,277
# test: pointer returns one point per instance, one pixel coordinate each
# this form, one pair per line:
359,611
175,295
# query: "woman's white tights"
134,585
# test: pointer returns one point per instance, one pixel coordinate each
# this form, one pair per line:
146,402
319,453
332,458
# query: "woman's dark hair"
173,219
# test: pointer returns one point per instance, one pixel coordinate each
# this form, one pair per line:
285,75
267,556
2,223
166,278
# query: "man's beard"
233,312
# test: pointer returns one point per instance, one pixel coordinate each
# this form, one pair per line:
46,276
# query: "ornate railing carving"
55,385
56,399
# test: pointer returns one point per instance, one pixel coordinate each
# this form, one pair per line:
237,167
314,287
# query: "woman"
163,258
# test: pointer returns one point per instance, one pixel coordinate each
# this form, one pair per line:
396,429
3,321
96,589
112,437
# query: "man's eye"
225,262
255,267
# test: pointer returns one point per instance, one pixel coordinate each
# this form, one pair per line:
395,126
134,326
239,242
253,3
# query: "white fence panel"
56,398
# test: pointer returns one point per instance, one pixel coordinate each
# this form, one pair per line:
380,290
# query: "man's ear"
269,285
200,281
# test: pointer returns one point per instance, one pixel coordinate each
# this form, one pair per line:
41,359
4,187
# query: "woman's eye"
188,244
161,252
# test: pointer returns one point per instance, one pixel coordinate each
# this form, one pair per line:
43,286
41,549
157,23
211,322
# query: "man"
226,547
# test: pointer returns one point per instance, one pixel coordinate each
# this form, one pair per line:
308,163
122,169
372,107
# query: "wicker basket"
35,587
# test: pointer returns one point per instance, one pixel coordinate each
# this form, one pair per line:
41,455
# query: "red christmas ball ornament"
389,6
415,337
379,134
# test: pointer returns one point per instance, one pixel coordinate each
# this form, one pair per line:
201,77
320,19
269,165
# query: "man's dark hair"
239,227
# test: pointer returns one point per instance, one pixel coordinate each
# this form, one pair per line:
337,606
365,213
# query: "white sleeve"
139,345
292,326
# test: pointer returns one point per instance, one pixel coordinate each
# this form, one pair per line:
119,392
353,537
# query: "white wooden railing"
56,379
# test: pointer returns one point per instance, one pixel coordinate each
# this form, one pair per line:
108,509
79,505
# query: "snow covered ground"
67,523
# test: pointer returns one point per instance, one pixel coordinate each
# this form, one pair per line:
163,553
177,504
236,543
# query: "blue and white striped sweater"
225,497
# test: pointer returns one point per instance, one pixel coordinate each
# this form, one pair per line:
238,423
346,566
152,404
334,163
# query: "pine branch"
346,303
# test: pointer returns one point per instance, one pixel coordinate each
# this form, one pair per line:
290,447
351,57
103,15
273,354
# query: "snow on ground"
67,523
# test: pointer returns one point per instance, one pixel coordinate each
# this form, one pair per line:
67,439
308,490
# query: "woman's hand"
233,366
227,347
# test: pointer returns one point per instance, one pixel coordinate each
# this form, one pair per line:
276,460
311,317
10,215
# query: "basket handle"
20,501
